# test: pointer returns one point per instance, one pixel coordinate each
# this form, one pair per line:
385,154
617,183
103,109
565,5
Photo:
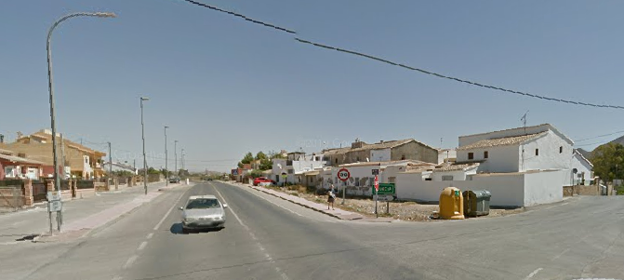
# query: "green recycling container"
476,203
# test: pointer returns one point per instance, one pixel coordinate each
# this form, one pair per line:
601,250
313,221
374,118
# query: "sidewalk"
79,215
322,208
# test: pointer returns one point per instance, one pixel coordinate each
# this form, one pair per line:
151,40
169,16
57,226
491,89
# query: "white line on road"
168,212
130,261
253,236
280,206
142,246
116,278
149,236
533,274
233,213
561,254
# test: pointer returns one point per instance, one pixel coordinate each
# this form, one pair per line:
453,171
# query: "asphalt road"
268,238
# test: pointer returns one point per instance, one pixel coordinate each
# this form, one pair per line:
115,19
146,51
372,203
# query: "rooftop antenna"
524,120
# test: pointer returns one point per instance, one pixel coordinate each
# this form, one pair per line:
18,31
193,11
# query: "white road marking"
232,211
116,278
168,212
533,273
560,254
142,246
130,261
253,236
291,211
149,236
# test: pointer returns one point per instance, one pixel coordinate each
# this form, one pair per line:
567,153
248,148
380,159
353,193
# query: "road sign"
383,197
386,189
344,174
375,171
55,206
51,196
376,184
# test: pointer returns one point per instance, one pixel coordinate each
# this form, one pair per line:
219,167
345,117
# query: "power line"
241,16
599,136
457,79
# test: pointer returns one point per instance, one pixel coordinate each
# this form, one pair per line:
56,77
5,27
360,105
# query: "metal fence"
39,190
84,184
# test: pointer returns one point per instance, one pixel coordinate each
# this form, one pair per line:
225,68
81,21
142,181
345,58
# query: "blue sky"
226,86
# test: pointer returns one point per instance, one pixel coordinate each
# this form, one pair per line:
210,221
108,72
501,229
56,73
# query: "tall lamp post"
143,137
175,149
166,161
57,179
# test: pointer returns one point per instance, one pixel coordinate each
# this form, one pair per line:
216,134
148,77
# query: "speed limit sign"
343,174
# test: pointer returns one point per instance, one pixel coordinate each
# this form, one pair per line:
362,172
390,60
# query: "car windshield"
203,203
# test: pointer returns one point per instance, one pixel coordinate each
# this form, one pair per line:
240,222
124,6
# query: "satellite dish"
279,165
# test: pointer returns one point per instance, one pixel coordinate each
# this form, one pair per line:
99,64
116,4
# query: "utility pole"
182,160
166,160
143,137
110,160
175,148
63,156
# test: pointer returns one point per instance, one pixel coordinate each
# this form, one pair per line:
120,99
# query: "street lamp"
166,172
175,148
143,137
57,179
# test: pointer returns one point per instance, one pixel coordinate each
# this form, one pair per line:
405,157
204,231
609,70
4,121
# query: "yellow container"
451,204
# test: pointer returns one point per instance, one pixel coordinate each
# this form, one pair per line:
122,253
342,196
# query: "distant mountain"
619,140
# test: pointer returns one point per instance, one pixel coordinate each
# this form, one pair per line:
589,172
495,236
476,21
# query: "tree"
266,164
151,170
255,173
608,160
274,155
247,159
260,156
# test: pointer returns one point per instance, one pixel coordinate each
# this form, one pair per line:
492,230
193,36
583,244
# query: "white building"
521,167
519,149
295,166
582,170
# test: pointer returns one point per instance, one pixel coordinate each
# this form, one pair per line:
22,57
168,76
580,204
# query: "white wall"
549,156
544,187
500,158
443,155
300,166
509,190
391,172
584,170
458,175
380,155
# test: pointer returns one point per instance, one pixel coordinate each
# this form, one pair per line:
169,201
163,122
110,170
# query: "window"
336,160
485,154
447,177
357,159
391,179
536,152
561,149
403,157
470,155
357,182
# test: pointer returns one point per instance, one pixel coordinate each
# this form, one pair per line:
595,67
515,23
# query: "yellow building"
80,161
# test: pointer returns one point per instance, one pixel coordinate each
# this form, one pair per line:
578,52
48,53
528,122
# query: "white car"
203,211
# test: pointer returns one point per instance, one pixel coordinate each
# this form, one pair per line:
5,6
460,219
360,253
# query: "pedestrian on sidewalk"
331,196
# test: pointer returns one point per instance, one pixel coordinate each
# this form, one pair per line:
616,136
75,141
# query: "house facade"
14,167
360,151
80,161
293,169
520,149
582,170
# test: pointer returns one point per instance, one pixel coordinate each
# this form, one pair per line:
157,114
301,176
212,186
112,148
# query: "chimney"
19,134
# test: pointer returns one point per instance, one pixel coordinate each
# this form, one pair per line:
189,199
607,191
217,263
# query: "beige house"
360,151
80,161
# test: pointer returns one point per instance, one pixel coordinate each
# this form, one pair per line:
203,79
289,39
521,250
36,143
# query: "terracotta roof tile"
505,141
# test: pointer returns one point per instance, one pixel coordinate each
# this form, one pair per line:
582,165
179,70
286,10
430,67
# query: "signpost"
376,195
54,205
384,192
343,175
375,171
